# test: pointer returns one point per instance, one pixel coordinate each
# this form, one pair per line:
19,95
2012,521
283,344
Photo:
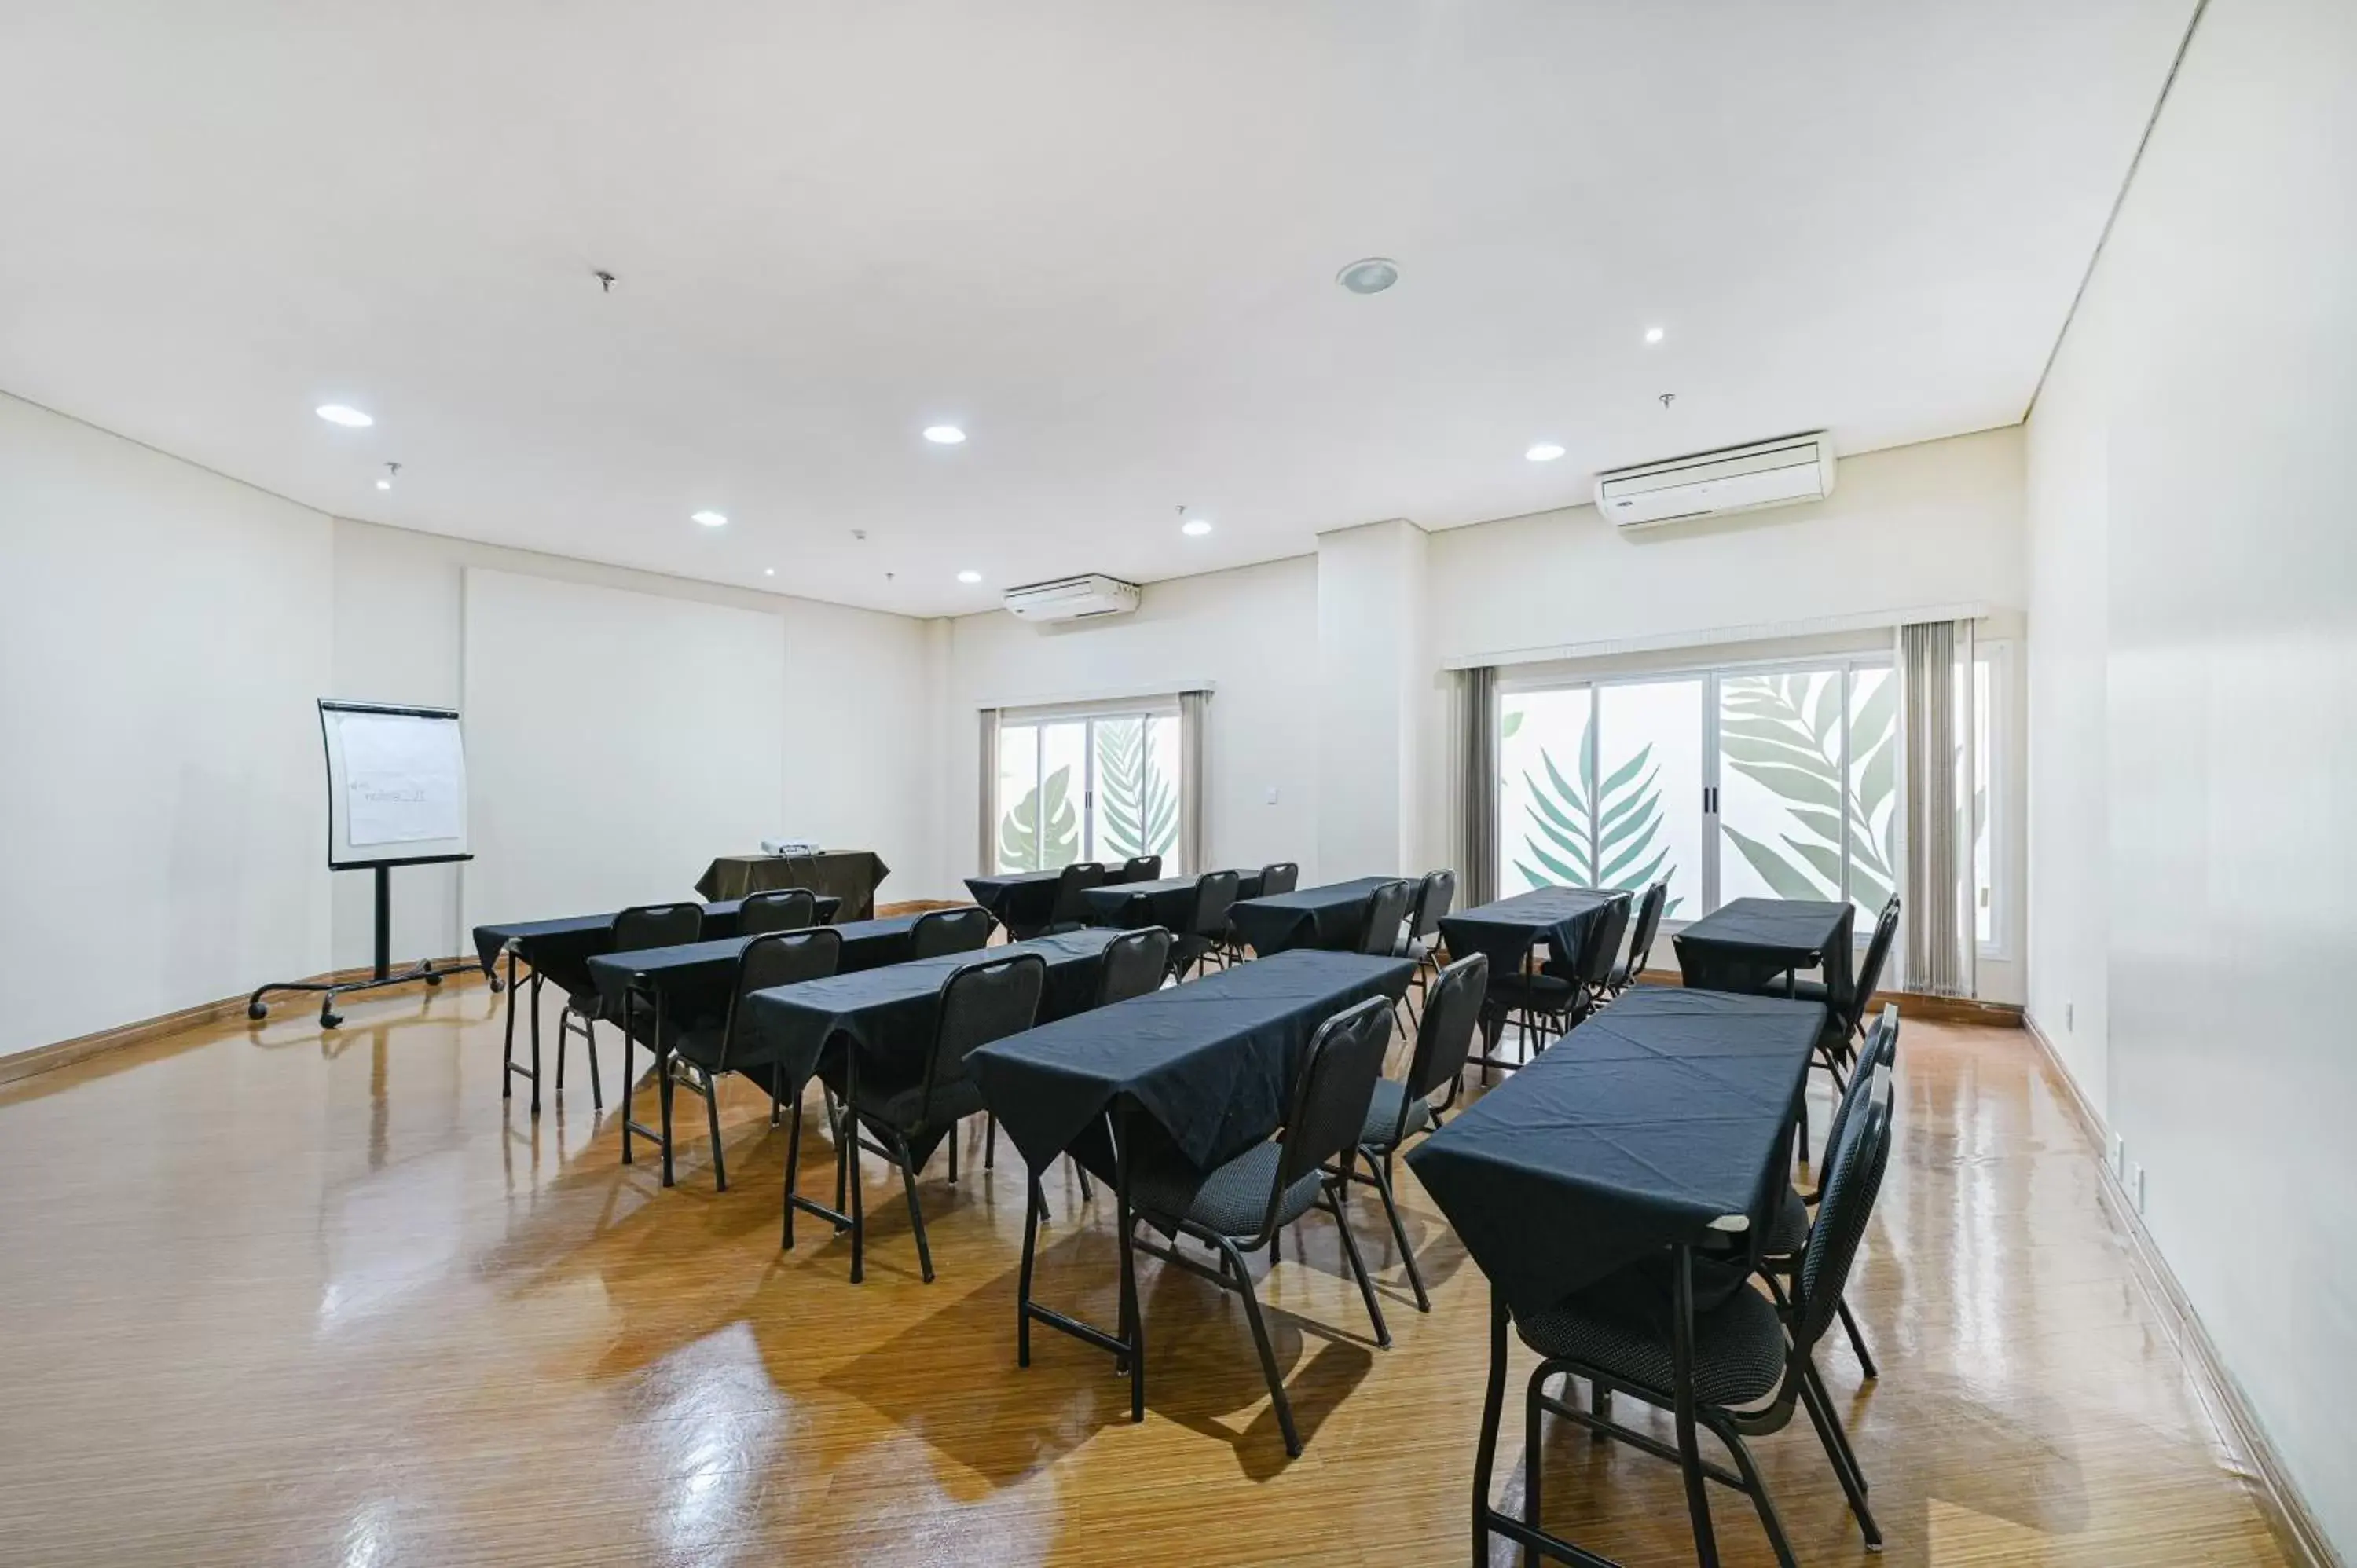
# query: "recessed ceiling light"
944,434
392,472
340,414
709,519
1653,334
1543,452
1372,276
384,484
769,570
969,576
1196,527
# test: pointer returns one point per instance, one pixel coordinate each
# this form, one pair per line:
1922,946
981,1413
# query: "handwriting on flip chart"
404,779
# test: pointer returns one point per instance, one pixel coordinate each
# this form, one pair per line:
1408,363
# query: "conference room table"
1748,944
1016,897
1658,1127
1169,901
689,983
1333,917
1198,1072
1565,919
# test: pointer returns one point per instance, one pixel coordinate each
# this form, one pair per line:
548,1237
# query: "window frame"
1038,719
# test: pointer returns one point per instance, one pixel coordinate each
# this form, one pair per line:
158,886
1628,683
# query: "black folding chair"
982,1001
1401,1107
1565,988
1215,891
787,909
1750,1364
1282,876
708,1047
1386,913
1071,911
940,932
1641,931
1141,868
640,926
1421,942
1242,1206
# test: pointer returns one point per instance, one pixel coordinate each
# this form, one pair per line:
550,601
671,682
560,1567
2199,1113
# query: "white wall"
1250,634
2190,457
859,771
162,831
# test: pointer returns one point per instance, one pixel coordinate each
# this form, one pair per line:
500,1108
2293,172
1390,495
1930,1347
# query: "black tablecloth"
1209,1063
1333,917
850,875
1658,1115
561,950
1017,898
1565,918
1170,902
888,1014
1749,944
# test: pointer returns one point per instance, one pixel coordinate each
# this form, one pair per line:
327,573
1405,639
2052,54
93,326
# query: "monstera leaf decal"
1042,829
1138,807
1587,833
1782,737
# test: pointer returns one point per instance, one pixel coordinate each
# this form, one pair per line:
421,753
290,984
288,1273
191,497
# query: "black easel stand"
383,974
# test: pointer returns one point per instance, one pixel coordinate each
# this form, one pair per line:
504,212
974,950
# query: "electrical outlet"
2069,1018
2136,1185
1271,794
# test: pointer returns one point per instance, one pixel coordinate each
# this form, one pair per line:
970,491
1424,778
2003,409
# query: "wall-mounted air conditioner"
1072,598
1710,484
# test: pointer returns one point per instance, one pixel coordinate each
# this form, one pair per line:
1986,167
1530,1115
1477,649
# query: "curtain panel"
986,854
1191,710
1935,698
1477,785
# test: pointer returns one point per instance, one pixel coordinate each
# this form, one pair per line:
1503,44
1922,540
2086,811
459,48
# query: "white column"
1377,708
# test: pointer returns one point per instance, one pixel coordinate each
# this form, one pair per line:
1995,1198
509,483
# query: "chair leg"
990,1142
1081,1171
596,1087
664,1093
1534,1456
955,1139
1858,1340
1382,1169
1358,1265
712,1114
858,1211
1836,1446
793,1164
1758,1490
908,1162
507,1056
1840,1432
1133,1326
564,1038
1267,1351
536,1061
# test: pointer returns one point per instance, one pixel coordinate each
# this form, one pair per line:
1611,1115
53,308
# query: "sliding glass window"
1095,785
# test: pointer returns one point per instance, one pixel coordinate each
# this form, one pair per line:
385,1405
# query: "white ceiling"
1101,237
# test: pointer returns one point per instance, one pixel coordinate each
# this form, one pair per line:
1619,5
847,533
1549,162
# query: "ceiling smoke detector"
1371,275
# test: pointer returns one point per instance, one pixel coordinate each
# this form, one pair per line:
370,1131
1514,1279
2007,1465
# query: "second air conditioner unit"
1072,598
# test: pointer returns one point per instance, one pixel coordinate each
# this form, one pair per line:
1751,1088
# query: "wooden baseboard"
1911,1004
918,906
2287,1512
65,1053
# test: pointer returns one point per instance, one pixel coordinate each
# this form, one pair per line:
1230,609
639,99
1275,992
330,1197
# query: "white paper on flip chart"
404,779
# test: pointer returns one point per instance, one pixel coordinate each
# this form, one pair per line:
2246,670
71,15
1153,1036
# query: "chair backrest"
1282,877
1869,971
1386,909
1076,879
657,926
1451,1010
1852,1178
1593,964
788,909
942,932
1881,1049
1434,895
1642,929
982,1001
1214,892
1331,1095
1133,965
1142,868
779,958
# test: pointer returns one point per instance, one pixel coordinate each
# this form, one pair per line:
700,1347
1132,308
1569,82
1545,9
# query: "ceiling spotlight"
1372,276
1544,452
709,519
769,570
944,434
392,472
1196,527
340,414
1653,334
969,576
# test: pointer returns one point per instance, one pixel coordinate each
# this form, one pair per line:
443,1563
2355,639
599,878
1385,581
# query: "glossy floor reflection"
272,1296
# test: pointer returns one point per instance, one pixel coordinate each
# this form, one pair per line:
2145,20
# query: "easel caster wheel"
432,980
256,1011
329,1020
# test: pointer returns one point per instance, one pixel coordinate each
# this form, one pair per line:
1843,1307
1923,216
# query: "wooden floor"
271,1297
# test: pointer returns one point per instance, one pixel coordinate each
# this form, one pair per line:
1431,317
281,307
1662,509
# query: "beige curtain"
1192,851
1935,699
986,851
1477,849
1192,774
